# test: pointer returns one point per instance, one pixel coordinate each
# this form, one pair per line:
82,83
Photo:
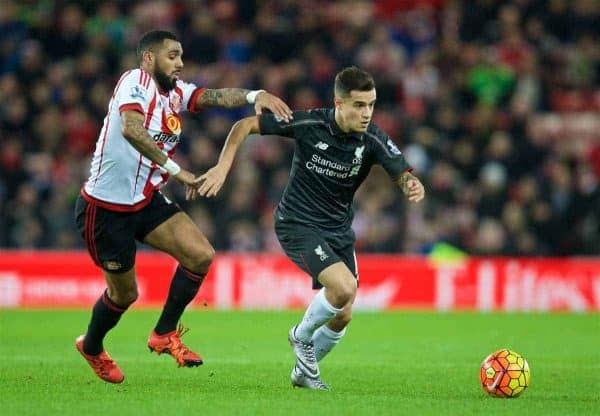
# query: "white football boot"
306,371
299,379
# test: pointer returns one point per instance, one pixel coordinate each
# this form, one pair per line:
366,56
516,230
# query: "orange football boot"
170,343
104,366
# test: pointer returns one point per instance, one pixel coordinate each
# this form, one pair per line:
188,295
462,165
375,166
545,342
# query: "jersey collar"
337,131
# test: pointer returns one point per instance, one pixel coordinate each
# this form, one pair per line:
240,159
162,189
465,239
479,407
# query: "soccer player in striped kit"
121,201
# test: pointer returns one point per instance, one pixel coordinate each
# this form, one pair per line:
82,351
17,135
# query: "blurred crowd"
495,103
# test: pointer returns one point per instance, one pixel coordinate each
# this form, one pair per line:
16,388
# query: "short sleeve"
271,124
387,153
189,95
134,91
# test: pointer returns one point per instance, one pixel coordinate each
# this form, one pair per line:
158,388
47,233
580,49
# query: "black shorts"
110,235
314,249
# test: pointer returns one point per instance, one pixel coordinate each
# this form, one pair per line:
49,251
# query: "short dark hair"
352,79
151,39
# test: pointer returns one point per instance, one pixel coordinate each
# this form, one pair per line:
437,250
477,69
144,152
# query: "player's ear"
337,101
148,57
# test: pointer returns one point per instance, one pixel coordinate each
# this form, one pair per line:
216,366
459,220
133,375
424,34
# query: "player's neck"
339,122
145,67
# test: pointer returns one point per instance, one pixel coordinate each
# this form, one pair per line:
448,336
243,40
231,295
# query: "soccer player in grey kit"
334,151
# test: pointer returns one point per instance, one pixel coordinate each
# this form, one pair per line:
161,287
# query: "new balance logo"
322,146
321,253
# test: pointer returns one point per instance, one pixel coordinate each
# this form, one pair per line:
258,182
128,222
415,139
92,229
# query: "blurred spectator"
495,104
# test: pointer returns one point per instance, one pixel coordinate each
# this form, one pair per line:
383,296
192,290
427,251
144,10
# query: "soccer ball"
504,373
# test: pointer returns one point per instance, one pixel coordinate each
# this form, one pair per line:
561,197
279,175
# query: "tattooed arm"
236,97
135,133
224,97
411,186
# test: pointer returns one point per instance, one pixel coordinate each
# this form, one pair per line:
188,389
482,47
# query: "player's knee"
201,261
349,288
348,293
343,292
211,255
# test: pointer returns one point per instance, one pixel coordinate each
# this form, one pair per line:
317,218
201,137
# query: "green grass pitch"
389,363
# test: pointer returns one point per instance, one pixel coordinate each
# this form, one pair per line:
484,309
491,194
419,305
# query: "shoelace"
179,347
181,330
104,364
310,356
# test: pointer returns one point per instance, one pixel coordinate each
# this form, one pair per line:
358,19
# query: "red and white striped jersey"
121,179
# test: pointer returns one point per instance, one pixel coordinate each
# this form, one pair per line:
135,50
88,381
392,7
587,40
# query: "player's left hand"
211,182
273,103
415,190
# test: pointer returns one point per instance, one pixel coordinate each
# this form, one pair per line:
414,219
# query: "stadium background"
495,103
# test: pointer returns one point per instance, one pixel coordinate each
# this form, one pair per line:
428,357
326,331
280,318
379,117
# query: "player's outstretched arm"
238,97
411,186
133,130
212,181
